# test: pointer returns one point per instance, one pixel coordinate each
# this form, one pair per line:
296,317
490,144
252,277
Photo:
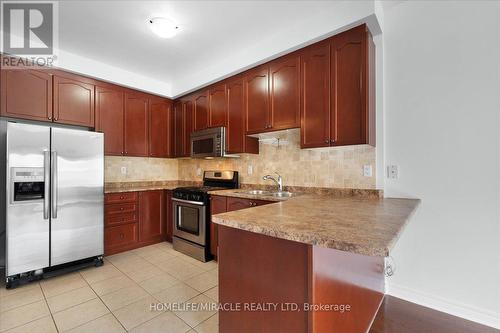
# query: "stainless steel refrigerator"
52,199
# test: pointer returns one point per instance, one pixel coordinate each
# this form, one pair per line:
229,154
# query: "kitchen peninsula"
310,249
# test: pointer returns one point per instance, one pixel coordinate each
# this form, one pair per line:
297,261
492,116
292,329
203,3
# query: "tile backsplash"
339,167
139,169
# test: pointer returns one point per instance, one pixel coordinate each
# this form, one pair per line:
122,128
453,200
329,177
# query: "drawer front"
120,197
123,218
120,235
120,208
240,203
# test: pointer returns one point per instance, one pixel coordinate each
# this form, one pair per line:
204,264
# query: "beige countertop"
120,187
355,224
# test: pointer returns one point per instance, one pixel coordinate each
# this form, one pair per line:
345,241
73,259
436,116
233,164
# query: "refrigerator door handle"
54,184
46,184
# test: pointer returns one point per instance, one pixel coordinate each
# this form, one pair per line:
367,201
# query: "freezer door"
27,229
77,195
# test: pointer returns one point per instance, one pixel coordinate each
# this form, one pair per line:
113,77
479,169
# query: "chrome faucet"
278,181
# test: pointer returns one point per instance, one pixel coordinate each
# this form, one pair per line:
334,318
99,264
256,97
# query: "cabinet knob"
332,141
121,197
49,117
121,208
327,141
121,236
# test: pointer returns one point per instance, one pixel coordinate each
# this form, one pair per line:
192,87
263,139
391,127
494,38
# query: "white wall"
442,127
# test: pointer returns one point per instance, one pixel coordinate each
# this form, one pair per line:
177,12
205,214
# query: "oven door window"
203,146
188,219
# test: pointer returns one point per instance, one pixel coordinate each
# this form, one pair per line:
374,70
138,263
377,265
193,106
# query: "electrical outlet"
250,170
392,172
367,170
123,170
198,172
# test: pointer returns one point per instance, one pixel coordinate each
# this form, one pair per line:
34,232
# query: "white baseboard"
481,316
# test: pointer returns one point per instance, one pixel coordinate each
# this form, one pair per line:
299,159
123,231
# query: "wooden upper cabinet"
73,101
109,107
159,121
178,129
200,109
235,130
136,124
257,100
349,89
151,215
284,77
26,94
217,105
315,104
188,126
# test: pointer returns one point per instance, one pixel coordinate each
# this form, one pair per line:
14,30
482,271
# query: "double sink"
283,194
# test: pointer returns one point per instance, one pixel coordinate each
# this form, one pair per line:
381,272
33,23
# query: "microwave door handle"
54,184
46,184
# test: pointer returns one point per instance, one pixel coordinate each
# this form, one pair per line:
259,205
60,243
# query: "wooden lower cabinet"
135,219
151,216
255,268
217,206
120,236
240,203
169,217
222,204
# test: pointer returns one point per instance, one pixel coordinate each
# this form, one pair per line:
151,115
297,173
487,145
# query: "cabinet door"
235,131
257,101
136,125
26,94
217,206
218,106
169,226
315,105
159,110
73,102
178,128
151,216
188,126
285,93
200,106
238,203
348,86
109,104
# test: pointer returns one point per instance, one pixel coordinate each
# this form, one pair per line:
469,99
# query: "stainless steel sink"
283,194
259,192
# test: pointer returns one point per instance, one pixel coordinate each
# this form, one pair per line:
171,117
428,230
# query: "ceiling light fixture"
163,27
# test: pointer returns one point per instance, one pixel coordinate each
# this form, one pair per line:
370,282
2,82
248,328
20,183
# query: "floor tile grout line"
98,296
45,301
48,308
18,306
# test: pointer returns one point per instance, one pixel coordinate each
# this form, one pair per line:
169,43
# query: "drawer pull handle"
121,236
121,208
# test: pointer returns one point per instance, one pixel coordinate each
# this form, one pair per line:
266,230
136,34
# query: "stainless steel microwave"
210,142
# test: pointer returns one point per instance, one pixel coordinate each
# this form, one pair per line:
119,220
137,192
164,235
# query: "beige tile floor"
117,296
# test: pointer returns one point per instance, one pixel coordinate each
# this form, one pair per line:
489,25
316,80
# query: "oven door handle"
189,202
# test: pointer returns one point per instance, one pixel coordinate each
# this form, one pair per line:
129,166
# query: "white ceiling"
217,38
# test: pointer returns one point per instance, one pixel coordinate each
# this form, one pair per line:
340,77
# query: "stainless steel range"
191,213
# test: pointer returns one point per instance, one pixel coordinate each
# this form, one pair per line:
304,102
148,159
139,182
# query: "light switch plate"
123,170
198,171
250,170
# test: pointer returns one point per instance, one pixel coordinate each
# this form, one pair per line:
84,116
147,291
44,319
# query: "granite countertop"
355,224
119,187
